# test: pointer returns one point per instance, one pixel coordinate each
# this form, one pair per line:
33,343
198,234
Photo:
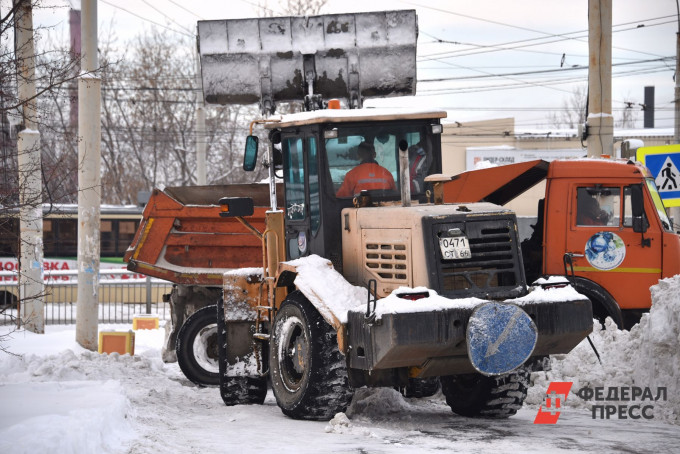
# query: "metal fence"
122,294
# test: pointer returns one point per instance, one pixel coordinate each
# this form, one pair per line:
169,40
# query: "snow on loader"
386,286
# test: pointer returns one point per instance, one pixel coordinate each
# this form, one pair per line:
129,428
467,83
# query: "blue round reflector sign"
500,338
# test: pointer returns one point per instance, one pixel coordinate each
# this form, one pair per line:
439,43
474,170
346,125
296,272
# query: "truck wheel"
421,387
308,372
242,390
476,395
197,347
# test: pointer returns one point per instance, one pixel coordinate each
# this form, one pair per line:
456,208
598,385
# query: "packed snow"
58,397
326,288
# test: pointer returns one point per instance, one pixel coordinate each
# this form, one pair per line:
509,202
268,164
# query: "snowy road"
57,397
383,422
84,402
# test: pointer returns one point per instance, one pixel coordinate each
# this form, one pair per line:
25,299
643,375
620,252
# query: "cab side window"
294,171
598,206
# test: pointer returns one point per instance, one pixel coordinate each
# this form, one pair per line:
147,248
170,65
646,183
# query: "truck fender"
604,305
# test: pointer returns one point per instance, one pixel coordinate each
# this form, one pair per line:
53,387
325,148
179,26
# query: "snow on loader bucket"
273,59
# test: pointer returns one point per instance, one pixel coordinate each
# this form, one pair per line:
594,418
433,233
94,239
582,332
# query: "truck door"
606,249
302,202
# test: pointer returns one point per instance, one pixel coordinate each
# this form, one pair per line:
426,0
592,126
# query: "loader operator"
367,175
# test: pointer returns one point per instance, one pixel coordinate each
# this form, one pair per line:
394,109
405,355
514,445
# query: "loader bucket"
347,56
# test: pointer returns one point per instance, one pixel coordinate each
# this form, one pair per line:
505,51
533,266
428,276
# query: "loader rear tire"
476,395
308,373
421,387
243,390
197,347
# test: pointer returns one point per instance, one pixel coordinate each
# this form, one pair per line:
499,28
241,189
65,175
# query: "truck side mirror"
638,208
250,156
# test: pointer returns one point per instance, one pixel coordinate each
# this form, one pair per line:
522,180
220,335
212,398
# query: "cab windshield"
347,151
658,204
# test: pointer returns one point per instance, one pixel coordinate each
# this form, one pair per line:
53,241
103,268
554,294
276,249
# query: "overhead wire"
486,48
147,19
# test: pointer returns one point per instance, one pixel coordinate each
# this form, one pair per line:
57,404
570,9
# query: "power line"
531,41
180,6
165,15
546,71
147,20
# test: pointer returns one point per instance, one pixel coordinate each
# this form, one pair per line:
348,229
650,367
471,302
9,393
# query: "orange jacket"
366,176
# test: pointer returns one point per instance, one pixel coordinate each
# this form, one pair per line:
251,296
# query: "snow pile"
73,399
326,288
394,304
96,413
553,289
645,357
378,403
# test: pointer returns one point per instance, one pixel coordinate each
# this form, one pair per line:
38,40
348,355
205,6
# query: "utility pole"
31,285
89,181
677,78
200,128
600,120
675,211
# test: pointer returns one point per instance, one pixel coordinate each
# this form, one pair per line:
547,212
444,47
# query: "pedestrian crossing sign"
664,164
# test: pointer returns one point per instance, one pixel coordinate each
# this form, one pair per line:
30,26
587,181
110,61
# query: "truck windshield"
378,147
658,204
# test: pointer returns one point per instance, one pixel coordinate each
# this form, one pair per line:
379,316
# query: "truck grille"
494,270
387,261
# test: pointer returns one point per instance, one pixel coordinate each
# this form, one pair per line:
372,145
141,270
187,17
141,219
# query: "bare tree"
573,109
292,7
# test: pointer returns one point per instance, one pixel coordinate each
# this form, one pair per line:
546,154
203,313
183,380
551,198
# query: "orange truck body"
183,239
639,260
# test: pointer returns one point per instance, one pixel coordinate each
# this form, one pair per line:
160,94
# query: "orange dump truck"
183,239
601,221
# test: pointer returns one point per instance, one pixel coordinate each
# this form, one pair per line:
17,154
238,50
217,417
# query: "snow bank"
645,356
59,397
96,415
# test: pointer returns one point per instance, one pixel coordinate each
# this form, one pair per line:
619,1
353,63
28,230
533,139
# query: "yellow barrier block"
117,342
144,321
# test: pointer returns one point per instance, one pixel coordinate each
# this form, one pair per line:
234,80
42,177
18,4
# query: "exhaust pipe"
404,175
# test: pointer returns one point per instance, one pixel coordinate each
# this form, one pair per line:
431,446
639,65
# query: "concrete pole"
31,285
600,120
677,78
201,170
89,181
674,212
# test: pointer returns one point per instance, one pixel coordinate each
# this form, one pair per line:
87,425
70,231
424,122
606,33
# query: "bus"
60,241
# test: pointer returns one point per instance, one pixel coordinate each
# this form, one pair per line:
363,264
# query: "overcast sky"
499,58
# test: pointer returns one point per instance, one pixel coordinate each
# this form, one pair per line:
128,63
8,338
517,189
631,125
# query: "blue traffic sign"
663,163
500,338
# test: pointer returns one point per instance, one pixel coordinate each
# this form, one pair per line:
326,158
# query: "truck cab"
601,221
619,253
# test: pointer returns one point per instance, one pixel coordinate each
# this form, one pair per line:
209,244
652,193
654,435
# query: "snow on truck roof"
353,115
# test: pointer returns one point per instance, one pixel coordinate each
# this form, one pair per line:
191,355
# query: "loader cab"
320,149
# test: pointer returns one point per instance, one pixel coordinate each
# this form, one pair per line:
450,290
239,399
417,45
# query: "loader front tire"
308,373
197,348
476,395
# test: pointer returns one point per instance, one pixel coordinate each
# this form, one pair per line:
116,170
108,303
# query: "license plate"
455,248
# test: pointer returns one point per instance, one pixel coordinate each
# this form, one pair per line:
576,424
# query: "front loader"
388,287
